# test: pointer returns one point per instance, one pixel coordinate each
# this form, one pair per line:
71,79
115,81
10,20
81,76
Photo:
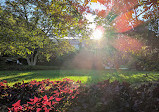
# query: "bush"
35,96
117,97
70,96
148,60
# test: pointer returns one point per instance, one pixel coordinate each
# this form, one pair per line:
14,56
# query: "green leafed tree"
29,28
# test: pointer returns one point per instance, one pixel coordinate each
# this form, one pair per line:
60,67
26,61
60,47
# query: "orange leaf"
126,22
102,13
124,6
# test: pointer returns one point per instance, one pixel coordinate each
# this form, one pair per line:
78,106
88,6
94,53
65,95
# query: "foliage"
129,16
70,96
148,60
116,97
117,22
32,28
36,96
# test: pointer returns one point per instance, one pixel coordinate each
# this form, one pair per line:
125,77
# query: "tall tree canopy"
118,17
29,28
130,13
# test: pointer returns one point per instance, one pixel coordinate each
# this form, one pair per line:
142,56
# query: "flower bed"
70,96
38,96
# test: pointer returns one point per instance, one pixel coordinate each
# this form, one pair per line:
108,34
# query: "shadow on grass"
85,76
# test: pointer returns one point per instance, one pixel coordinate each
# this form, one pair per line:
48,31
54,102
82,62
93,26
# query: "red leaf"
17,104
73,97
53,103
102,13
4,81
38,109
9,110
124,5
46,109
51,98
56,91
1,84
45,97
16,109
58,99
47,103
31,103
35,99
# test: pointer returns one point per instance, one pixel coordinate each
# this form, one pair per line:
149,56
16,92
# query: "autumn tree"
29,28
118,18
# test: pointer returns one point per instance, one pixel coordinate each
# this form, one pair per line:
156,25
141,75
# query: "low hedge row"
27,67
70,96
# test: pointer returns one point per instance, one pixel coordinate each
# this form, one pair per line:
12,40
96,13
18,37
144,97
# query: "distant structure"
76,43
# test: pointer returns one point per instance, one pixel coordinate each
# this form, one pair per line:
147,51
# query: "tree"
36,27
130,13
118,18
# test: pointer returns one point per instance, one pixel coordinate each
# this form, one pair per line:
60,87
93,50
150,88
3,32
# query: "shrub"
35,96
70,96
117,97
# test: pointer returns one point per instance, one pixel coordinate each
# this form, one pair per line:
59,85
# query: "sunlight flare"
97,33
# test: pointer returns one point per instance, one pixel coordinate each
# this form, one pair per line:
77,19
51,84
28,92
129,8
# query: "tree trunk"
32,61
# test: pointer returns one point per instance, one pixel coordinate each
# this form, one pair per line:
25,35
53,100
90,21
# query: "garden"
79,56
79,90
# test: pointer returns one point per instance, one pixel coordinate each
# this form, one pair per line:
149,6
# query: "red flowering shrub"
38,96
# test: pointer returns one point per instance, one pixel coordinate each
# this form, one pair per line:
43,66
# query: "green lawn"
85,76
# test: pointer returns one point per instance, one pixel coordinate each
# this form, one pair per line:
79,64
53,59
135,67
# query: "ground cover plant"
70,96
38,96
98,91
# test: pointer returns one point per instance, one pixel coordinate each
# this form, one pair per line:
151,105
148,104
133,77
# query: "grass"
85,76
